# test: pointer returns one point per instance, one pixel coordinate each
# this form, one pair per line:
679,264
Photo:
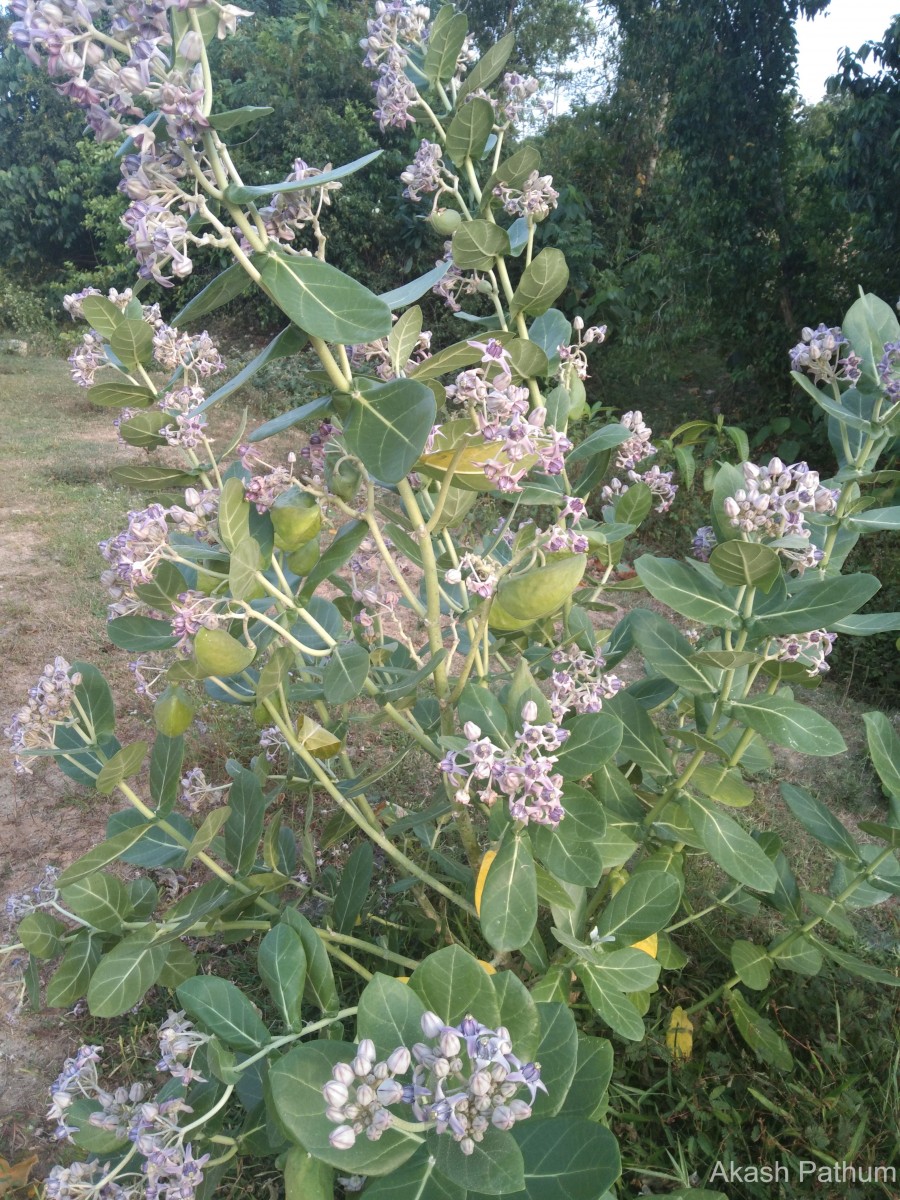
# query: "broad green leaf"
884,747
180,965
417,1179
551,330
356,878
121,395
244,826
477,244
323,301
571,851
408,293
404,338
233,518
41,934
240,194
876,519
126,973
390,1013
494,1169
287,420
155,847
219,1007
787,723
567,1158
865,624
752,964
482,707
208,831
306,1178
509,900
94,697
346,673
606,438
123,764
723,784
228,285
669,653
166,759
856,966
641,740
320,988
541,283
69,982
100,899
132,342
557,1053
611,1006
448,32
467,136
282,967
295,1083
869,323
888,833
152,479
830,911
819,821
746,564
243,569
687,592
451,983
634,505
643,906
345,543
626,970
587,1094
759,1034
388,425
106,852
518,1013
729,845
235,117
593,740
816,604
729,479
141,634
101,314
799,955
488,67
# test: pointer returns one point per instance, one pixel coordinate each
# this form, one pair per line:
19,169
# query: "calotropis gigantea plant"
351,588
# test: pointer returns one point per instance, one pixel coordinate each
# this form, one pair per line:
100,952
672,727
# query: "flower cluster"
520,97
522,773
397,26
573,357
773,504
197,792
810,649
377,355
43,892
636,449
290,212
49,704
264,487
818,353
480,575
465,1081
705,541
535,198
638,445
193,611
889,370
580,683
425,173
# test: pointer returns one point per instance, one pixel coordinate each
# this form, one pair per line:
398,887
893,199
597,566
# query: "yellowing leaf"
649,945
489,857
680,1035
403,979
617,880
14,1177
316,740
486,966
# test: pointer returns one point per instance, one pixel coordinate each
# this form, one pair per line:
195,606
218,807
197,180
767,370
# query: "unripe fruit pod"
541,591
445,221
218,653
174,711
500,620
343,479
302,561
296,519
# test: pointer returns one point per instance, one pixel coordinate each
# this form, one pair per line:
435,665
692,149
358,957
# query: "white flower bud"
365,1095
529,711
481,1083
336,1094
389,1092
342,1138
449,1044
578,324
344,1073
432,1025
467,1146
399,1061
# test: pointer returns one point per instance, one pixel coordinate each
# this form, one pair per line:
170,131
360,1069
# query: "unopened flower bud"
342,1138
529,711
365,1095
432,1025
467,1146
578,324
389,1092
449,1044
344,1073
335,1093
399,1061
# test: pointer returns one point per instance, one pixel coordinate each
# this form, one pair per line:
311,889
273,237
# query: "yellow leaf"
491,970
680,1035
649,945
489,857
14,1177
403,979
316,740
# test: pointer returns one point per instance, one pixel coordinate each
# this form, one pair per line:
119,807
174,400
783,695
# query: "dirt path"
55,456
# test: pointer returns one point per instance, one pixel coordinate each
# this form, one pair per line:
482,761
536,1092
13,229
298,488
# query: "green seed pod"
302,561
445,221
342,478
218,653
543,590
174,711
296,519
